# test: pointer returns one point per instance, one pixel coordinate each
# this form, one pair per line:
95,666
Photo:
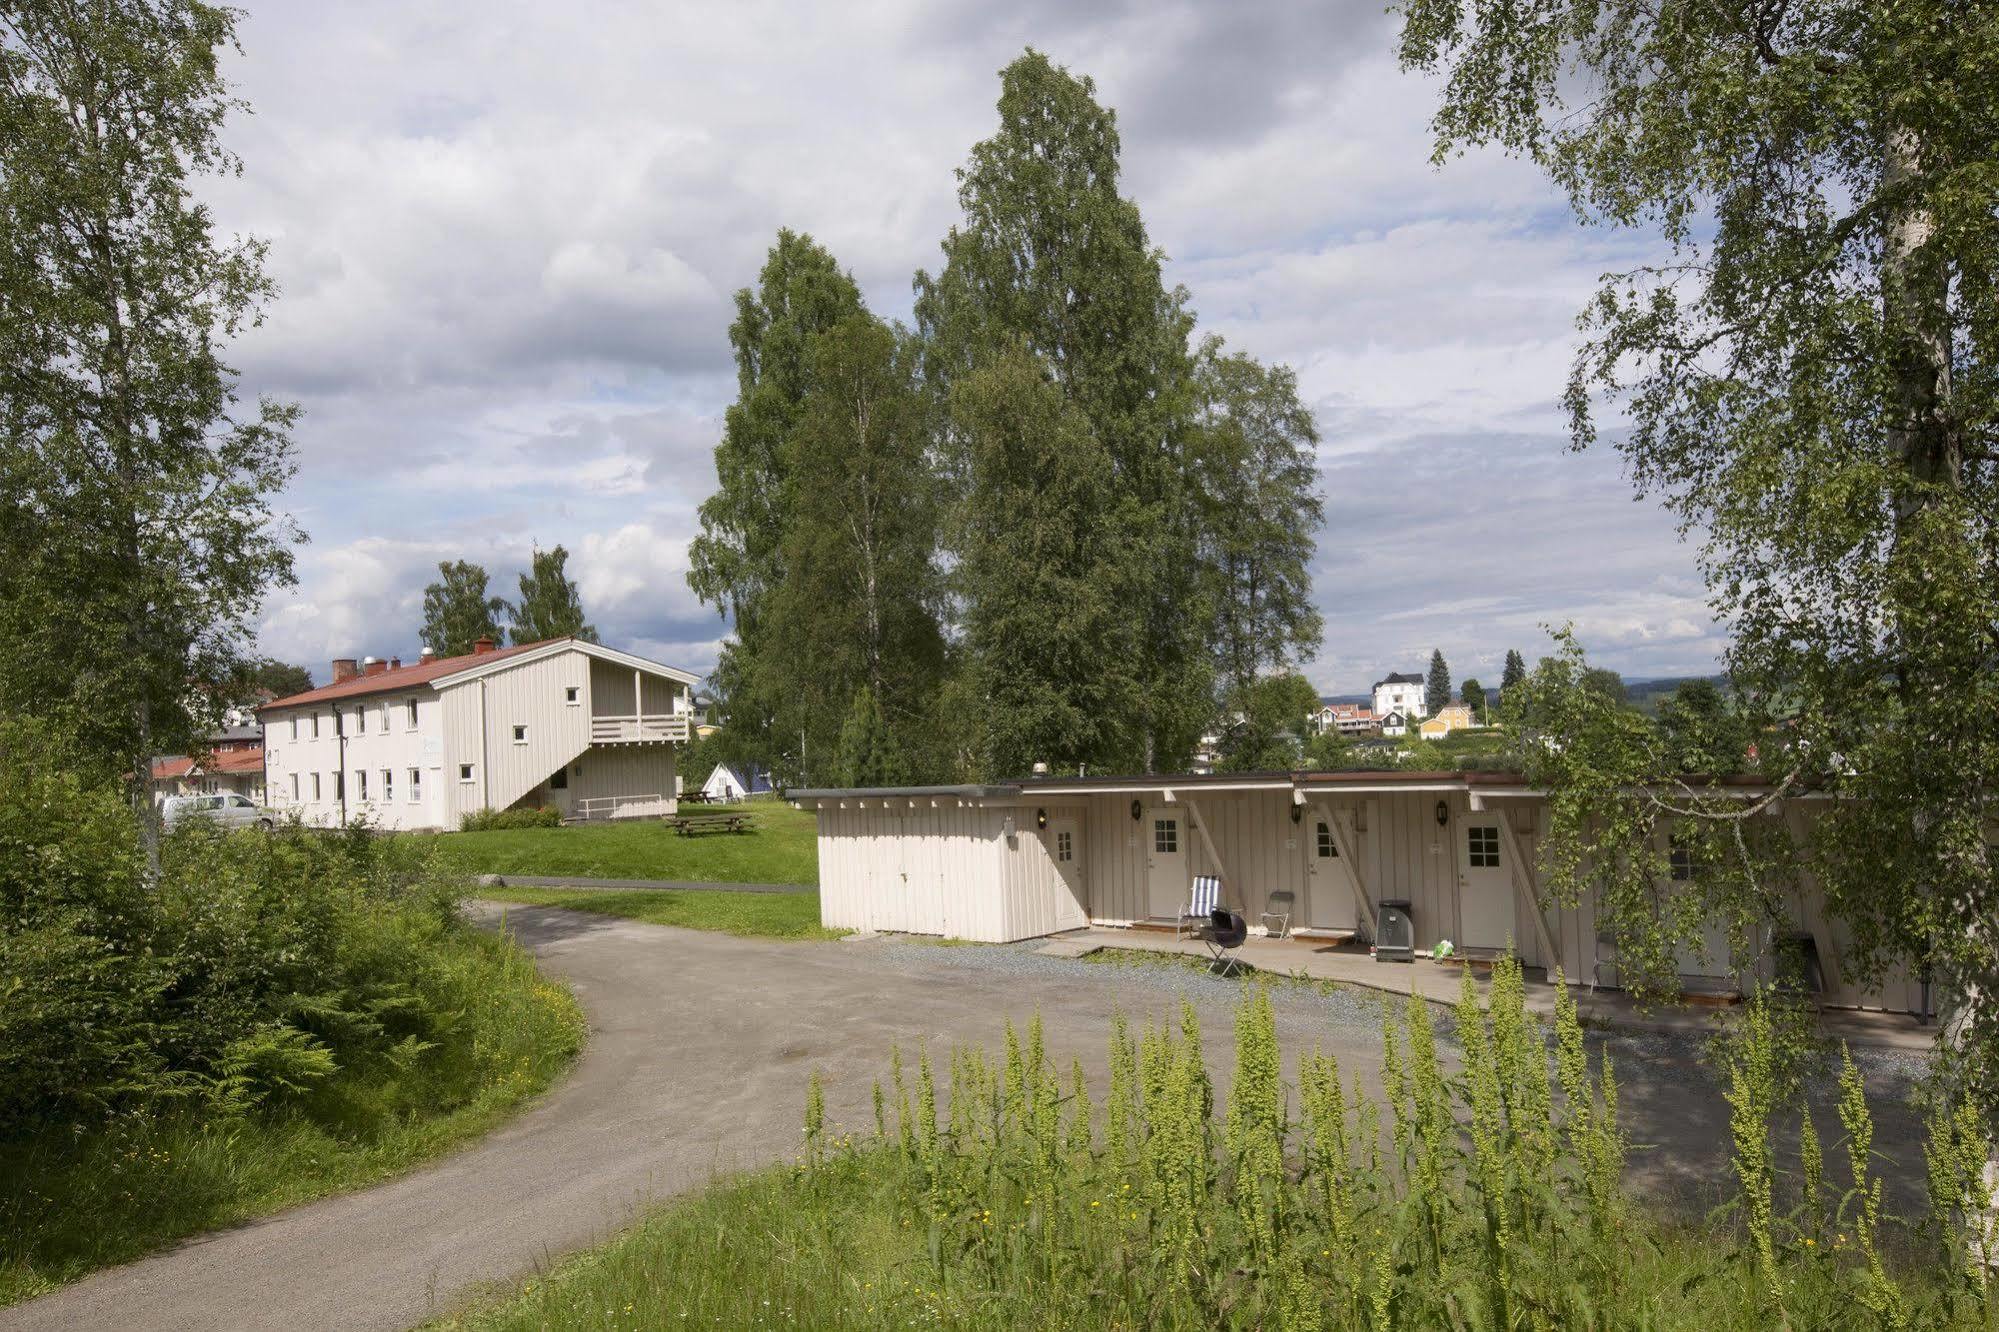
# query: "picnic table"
690,825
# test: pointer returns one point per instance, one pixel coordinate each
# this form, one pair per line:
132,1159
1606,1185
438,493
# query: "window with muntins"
1483,846
1327,847
1684,862
1166,836
1065,847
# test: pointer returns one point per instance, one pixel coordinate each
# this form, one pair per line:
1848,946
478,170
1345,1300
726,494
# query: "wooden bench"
690,825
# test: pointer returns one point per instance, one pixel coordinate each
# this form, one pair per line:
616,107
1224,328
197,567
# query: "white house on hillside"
586,729
1400,693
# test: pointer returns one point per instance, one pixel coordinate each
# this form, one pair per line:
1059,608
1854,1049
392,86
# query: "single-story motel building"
1018,860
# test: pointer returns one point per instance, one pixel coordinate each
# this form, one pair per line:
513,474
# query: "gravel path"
700,1051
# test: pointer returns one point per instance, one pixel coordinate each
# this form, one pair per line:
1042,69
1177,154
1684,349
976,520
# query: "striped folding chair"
1201,905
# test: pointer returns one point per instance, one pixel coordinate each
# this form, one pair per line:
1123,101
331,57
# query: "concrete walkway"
1439,982
637,885
700,1051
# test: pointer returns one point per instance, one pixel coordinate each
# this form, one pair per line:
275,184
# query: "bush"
496,820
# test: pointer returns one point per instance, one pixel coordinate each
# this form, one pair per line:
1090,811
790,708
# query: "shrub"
493,820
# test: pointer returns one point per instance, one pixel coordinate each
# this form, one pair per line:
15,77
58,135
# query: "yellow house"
1451,717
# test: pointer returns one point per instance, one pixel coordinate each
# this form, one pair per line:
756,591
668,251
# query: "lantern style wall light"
1297,812
1041,819
1137,810
1443,813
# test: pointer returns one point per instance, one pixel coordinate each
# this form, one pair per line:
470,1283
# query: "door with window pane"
1485,886
1166,876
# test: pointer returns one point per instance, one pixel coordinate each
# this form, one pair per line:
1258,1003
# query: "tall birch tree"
1809,376
137,533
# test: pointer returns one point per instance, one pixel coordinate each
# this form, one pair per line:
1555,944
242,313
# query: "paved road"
700,1050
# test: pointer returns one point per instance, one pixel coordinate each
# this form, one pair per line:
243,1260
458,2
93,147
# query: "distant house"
1393,722
1454,717
1400,693
563,724
707,715
726,783
232,764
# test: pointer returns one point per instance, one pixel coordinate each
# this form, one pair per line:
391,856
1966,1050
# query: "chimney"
482,646
376,665
425,655
395,663
343,669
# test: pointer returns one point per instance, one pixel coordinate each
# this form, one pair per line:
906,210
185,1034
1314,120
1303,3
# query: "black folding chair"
1225,933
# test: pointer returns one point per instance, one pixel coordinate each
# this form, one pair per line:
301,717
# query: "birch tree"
137,533
1808,375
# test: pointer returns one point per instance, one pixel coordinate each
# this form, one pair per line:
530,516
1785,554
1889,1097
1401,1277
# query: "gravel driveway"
700,1048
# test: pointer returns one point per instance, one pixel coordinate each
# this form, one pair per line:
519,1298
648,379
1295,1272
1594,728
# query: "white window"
1166,836
1327,847
315,781
572,695
361,720
1482,846
520,734
416,785
361,783
385,719
410,714
1065,845
388,784
315,726
340,783
464,772
294,788
294,726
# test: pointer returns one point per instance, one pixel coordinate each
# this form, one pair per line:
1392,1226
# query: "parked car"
231,811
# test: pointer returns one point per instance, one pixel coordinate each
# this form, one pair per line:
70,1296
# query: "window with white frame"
409,713
1065,845
1482,845
385,718
315,726
360,783
464,772
388,783
361,720
294,788
572,695
294,726
315,786
1166,836
520,734
416,785
1328,848
340,784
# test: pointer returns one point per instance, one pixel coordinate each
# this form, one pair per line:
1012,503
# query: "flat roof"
1490,781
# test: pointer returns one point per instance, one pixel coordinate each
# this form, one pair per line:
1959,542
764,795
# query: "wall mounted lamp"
1443,813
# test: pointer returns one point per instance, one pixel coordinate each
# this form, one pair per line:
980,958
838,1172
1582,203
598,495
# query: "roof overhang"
555,648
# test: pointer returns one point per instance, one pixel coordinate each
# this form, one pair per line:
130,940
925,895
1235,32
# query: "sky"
507,240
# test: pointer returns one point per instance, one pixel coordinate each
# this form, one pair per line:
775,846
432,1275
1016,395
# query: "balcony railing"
652,728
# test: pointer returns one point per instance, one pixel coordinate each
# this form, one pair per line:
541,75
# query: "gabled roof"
1397,678
441,670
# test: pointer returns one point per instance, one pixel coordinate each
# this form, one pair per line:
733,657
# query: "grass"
991,1193
749,915
71,1201
783,849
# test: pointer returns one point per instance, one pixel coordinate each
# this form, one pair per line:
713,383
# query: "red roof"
223,763
388,682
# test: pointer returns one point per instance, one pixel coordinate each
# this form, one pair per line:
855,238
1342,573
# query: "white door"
1165,846
1485,886
1329,894
1065,848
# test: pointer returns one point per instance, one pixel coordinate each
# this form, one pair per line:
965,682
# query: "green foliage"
550,606
457,611
1806,379
1009,1201
782,849
1514,673
1255,471
860,605
1264,730
1473,694
1702,733
868,752
137,535
738,561
1437,684
278,678
506,820
1329,751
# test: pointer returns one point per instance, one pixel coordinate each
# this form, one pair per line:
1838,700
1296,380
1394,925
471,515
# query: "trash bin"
1395,939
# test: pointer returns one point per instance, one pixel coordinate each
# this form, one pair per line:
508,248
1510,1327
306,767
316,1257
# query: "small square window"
464,772
1482,846
520,735
572,695
1166,836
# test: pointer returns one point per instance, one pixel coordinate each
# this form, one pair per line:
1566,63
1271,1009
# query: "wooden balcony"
647,729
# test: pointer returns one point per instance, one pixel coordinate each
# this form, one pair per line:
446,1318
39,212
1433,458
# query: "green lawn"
781,850
752,915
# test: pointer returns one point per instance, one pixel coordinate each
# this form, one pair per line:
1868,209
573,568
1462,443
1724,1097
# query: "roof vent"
376,665
1040,769
426,654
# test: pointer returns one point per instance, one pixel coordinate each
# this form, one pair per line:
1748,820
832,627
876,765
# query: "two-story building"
1401,693
582,728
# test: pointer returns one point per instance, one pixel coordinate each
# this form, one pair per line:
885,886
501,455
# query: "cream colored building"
1459,850
585,729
